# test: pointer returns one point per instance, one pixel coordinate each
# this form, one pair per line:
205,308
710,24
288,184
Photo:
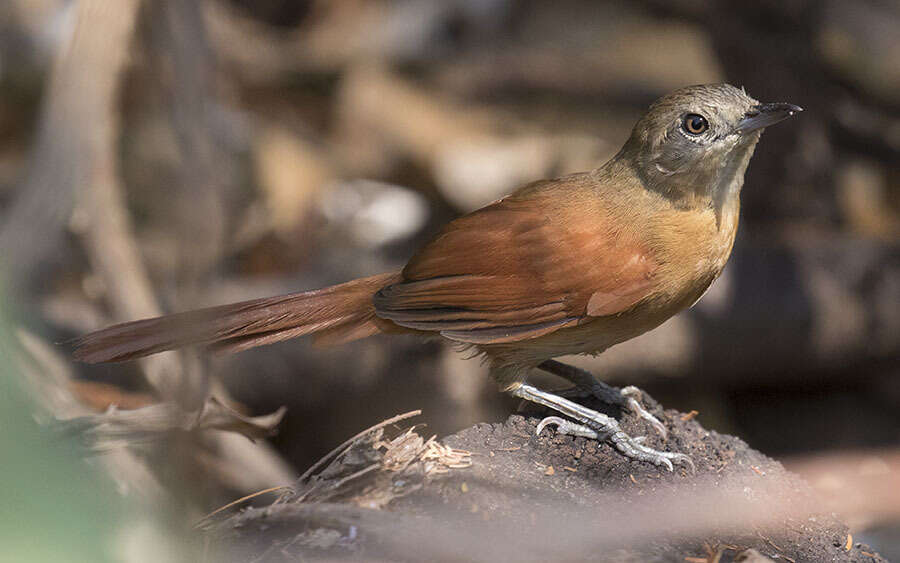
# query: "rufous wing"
518,269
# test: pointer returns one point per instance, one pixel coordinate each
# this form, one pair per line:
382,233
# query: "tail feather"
339,313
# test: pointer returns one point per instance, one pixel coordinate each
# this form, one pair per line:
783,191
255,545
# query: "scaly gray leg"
628,398
599,424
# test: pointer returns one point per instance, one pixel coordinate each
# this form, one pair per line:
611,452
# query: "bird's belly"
592,336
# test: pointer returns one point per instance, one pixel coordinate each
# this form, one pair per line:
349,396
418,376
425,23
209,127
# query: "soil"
551,497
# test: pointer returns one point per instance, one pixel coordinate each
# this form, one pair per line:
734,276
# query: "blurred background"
161,156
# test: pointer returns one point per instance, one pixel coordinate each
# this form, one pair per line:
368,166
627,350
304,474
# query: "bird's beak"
764,115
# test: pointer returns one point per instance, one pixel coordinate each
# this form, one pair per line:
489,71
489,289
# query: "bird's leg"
627,397
596,425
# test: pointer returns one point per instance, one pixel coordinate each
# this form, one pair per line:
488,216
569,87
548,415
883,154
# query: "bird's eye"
695,124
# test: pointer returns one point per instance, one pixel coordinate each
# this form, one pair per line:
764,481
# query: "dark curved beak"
764,115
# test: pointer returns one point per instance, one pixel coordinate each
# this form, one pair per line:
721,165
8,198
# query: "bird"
570,265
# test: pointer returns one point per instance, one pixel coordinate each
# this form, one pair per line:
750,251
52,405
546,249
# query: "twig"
336,485
75,135
114,254
357,436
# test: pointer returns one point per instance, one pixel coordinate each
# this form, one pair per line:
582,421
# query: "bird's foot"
586,385
631,447
596,425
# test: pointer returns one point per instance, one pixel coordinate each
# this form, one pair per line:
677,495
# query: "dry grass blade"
349,442
401,451
206,518
439,458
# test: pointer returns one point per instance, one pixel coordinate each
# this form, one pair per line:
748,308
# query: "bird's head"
694,144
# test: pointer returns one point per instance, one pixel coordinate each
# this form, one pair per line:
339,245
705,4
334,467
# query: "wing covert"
518,269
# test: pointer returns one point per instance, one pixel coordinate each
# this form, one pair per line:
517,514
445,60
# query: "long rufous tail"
335,314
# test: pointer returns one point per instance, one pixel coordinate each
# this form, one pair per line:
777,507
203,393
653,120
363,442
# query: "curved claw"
567,427
634,448
681,459
548,421
633,397
686,460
